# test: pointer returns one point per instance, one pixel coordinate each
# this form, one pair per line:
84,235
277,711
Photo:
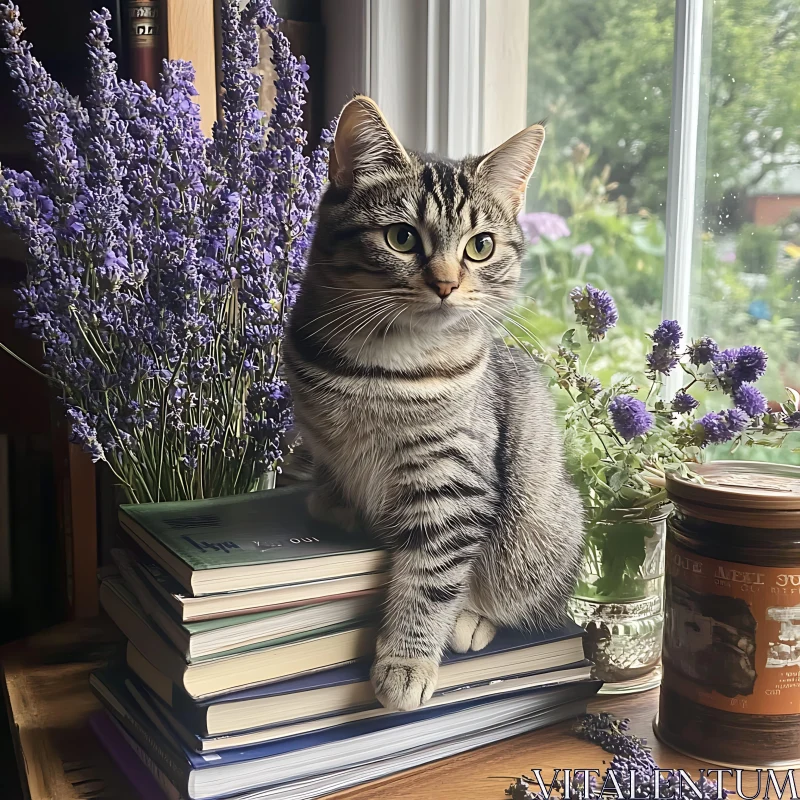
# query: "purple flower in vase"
702,351
738,365
750,400
663,358
718,427
683,402
667,335
629,416
594,309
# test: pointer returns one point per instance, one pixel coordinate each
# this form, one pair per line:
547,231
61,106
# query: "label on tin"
732,634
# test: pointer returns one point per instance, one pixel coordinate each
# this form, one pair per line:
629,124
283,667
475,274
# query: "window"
746,272
671,171
601,75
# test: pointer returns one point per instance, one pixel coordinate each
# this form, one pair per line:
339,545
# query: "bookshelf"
190,36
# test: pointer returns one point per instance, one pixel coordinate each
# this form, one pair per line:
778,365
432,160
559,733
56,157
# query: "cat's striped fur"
423,426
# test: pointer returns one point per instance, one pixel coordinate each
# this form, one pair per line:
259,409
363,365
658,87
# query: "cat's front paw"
471,632
403,684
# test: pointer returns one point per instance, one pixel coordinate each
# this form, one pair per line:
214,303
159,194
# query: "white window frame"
425,63
686,163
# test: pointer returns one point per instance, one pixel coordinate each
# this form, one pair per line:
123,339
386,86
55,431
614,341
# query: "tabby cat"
424,427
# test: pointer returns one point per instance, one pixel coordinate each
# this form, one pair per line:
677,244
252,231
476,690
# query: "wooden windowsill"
49,703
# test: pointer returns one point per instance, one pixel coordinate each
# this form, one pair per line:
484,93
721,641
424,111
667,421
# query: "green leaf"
590,459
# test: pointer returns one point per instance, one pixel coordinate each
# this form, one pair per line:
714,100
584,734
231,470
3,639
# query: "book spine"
159,751
111,737
187,712
145,40
161,779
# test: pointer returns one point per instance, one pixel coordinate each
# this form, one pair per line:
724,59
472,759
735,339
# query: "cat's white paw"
471,632
322,509
403,684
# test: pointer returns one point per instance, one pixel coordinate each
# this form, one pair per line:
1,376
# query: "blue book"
232,772
511,654
327,783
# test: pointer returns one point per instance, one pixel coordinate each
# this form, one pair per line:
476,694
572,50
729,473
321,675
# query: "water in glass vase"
619,599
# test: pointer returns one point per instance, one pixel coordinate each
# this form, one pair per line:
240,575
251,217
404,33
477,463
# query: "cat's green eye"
402,238
479,247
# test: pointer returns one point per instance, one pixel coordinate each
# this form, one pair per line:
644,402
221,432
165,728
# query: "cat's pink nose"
443,288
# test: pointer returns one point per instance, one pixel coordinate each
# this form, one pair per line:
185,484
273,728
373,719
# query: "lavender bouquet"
622,439
162,264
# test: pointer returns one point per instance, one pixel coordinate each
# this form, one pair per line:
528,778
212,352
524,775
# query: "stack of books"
250,630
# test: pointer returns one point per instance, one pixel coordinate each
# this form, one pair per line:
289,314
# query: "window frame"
424,62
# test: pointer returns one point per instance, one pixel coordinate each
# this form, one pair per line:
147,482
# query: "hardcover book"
238,669
338,780
132,767
154,708
195,640
236,771
249,541
227,604
512,654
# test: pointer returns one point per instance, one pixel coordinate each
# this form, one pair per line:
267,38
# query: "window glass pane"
747,275
601,74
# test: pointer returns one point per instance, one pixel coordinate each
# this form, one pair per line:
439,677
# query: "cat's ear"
364,143
509,167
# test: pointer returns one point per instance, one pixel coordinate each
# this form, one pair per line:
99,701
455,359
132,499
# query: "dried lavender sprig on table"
631,754
162,264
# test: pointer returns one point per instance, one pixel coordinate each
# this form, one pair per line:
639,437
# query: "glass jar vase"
619,599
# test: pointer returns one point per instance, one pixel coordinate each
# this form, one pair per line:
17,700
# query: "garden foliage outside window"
602,75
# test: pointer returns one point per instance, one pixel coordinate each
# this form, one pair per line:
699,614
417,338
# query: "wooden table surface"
49,703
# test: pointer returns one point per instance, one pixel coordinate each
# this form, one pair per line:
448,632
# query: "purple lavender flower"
739,365
663,357
748,398
713,428
683,403
736,419
792,420
667,335
718,427
584,250
751,364
143,235
595,310
630,416
703,350
661,360
536,224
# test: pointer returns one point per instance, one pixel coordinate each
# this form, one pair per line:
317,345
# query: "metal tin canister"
730,692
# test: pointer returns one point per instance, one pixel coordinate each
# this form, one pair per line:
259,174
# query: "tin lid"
743,485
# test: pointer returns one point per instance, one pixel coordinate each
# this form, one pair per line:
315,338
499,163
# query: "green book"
187,608
242,668
196,640
249,541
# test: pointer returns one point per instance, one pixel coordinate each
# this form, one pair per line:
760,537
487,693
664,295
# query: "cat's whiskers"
349,289
474,314
499,322
375,327
381,312
516,319
364,301
356,317
392,321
